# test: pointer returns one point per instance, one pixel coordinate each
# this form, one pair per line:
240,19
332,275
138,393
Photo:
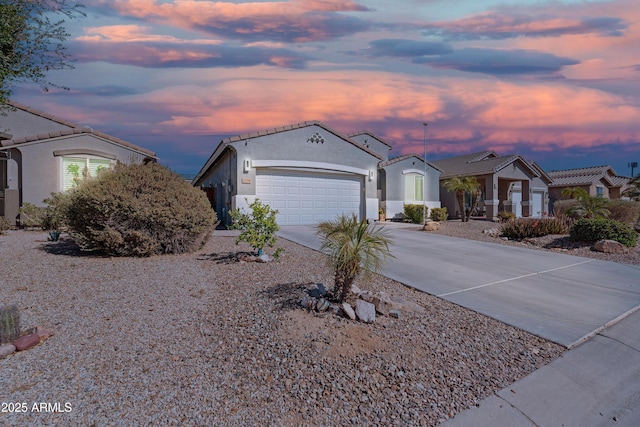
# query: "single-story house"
508,183
401,180
308,172
596,181
41,154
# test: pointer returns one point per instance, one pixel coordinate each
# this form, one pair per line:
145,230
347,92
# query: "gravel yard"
203,339
556,243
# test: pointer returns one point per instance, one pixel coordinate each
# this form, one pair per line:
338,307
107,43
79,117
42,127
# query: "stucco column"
526,198
491,201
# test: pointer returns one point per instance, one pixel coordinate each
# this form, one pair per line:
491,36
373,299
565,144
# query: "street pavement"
587,305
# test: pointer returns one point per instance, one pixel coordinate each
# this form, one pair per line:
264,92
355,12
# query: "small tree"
352,246
257,228
574,192
590,207
633,191
460,186
31,44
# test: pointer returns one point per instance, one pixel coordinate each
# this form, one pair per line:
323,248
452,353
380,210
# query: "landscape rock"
6,350
264,258
346,307
610,247
43,333
382,303
365,311
308,302
322,305
395,314
493,232
318,290
431,226
26,342
335,309
366,296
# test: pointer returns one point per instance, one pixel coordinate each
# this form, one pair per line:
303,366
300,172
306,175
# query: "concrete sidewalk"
587,305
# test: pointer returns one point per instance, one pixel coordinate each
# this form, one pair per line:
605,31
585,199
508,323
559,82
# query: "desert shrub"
625,211
562,207
594,229
4,225
439,214
139,210
506,216
414,213
590,207
31,216
9,323
523,228
257,228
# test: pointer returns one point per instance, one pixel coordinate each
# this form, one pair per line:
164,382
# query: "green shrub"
439,214
4,225
625,211
414,213
523,228
31,216
139,210
9,323
594,229
258,228
506,216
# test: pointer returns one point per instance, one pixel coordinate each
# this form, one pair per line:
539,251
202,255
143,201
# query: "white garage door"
308,198
536,203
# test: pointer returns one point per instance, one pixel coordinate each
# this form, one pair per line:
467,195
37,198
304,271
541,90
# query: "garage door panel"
307,198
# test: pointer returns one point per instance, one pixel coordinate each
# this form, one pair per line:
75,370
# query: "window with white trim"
75,169
413,187
599,191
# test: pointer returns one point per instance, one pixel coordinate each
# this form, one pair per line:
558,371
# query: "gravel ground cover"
203,339
555,243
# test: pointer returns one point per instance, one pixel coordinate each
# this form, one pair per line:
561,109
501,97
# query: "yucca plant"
9,324
353,247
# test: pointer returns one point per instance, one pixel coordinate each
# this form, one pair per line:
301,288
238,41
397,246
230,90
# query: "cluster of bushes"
594,229
530,227
586,219
135,210
505,216
4,225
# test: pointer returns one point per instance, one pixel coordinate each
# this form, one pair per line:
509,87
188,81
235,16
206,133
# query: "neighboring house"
307,171
508,183
401,179
41,154
596,181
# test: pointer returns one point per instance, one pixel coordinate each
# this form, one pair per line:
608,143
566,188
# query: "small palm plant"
460,186
353,247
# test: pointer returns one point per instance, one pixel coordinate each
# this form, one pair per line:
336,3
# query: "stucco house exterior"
309,173
595,180
508,183
41,154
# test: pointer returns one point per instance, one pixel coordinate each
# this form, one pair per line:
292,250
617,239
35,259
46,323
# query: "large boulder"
365,311
431,226
610,247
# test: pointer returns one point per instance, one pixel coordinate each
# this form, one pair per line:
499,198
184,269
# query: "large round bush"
139,210
594,229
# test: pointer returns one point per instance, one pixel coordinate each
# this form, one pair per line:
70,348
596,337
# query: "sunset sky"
557,82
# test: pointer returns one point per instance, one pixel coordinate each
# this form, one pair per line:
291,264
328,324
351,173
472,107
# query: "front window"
413,187
75,169
599,191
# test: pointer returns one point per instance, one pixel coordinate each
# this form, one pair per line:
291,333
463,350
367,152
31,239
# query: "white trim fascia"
408,171
307,165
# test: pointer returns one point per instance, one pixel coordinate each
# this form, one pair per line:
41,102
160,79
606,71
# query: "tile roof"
372,135
405,157
482,163
74,129
585,176
298,126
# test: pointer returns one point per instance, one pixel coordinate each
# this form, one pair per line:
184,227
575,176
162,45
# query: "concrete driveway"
559,297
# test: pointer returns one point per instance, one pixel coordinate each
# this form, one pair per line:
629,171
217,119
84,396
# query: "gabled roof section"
585,176
405,157
483,163
74,129
543,174
225,143
372,135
